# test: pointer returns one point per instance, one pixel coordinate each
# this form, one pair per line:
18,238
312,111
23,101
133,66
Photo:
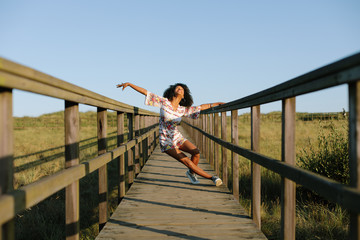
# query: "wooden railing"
138,147
346,71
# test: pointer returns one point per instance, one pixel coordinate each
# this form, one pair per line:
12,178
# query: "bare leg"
193,150
181,157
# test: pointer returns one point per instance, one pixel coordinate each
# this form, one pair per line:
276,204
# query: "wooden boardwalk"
163,204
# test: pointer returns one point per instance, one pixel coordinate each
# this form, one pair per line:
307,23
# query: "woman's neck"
175,102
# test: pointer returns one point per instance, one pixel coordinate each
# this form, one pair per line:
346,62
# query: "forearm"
138,89
210,105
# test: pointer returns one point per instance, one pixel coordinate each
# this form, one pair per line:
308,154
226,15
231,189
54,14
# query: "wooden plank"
7,231
137,147
234,156
121,159
325,187
103,183
344,71
354,153
288,187
207,140
168,206
30,195
142,142
211,143
72,194
17,76
217,147
203,127
131,152
224,149
255,168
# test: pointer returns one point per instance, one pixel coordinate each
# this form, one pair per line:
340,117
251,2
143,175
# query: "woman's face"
179,90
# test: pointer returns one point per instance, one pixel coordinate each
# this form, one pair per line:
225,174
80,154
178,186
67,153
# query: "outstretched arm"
139,89
210,105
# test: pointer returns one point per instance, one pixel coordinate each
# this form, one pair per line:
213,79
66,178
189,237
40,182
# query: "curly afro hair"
187,101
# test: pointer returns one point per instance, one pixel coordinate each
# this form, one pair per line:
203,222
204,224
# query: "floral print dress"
170,137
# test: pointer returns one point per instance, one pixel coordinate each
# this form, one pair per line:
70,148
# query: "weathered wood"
131,152
17,76
72,194
167,206
217,147
103,183
234,156
211,143
30,195
354,153
255,168
224,149
121,160
288,187
325,187
207,140
142,143
203,127
344,71
7,231
137,147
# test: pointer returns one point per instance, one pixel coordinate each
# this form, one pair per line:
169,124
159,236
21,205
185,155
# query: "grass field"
39,152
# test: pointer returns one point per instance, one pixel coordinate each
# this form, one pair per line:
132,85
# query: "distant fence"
141,140
346,71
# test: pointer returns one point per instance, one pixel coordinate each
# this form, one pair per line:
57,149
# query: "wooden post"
288,193
148,139
211,143
137,134
200,135
206,126
217,146
103,185
199,138
121,161
255,168
130,153
203,127
235,157
354,153
223,149
142,143
7,231
148,124
72,195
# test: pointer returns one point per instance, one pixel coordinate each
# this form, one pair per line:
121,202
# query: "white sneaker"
192,177
217,181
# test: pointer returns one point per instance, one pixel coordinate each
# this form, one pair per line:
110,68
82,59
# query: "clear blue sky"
223,50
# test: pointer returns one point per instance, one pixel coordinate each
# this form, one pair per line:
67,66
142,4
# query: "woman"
176,103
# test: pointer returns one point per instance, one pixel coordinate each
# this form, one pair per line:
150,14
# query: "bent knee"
195,152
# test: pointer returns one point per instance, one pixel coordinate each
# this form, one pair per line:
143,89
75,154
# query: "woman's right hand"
123,85
127,84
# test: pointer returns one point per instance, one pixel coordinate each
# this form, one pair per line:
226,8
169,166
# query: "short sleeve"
152,99
192,112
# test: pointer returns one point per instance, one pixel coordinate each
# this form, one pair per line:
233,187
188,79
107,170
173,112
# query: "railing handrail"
31,194
346,70
16,76
350,198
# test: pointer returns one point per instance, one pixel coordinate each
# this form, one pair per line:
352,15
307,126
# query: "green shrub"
330,157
